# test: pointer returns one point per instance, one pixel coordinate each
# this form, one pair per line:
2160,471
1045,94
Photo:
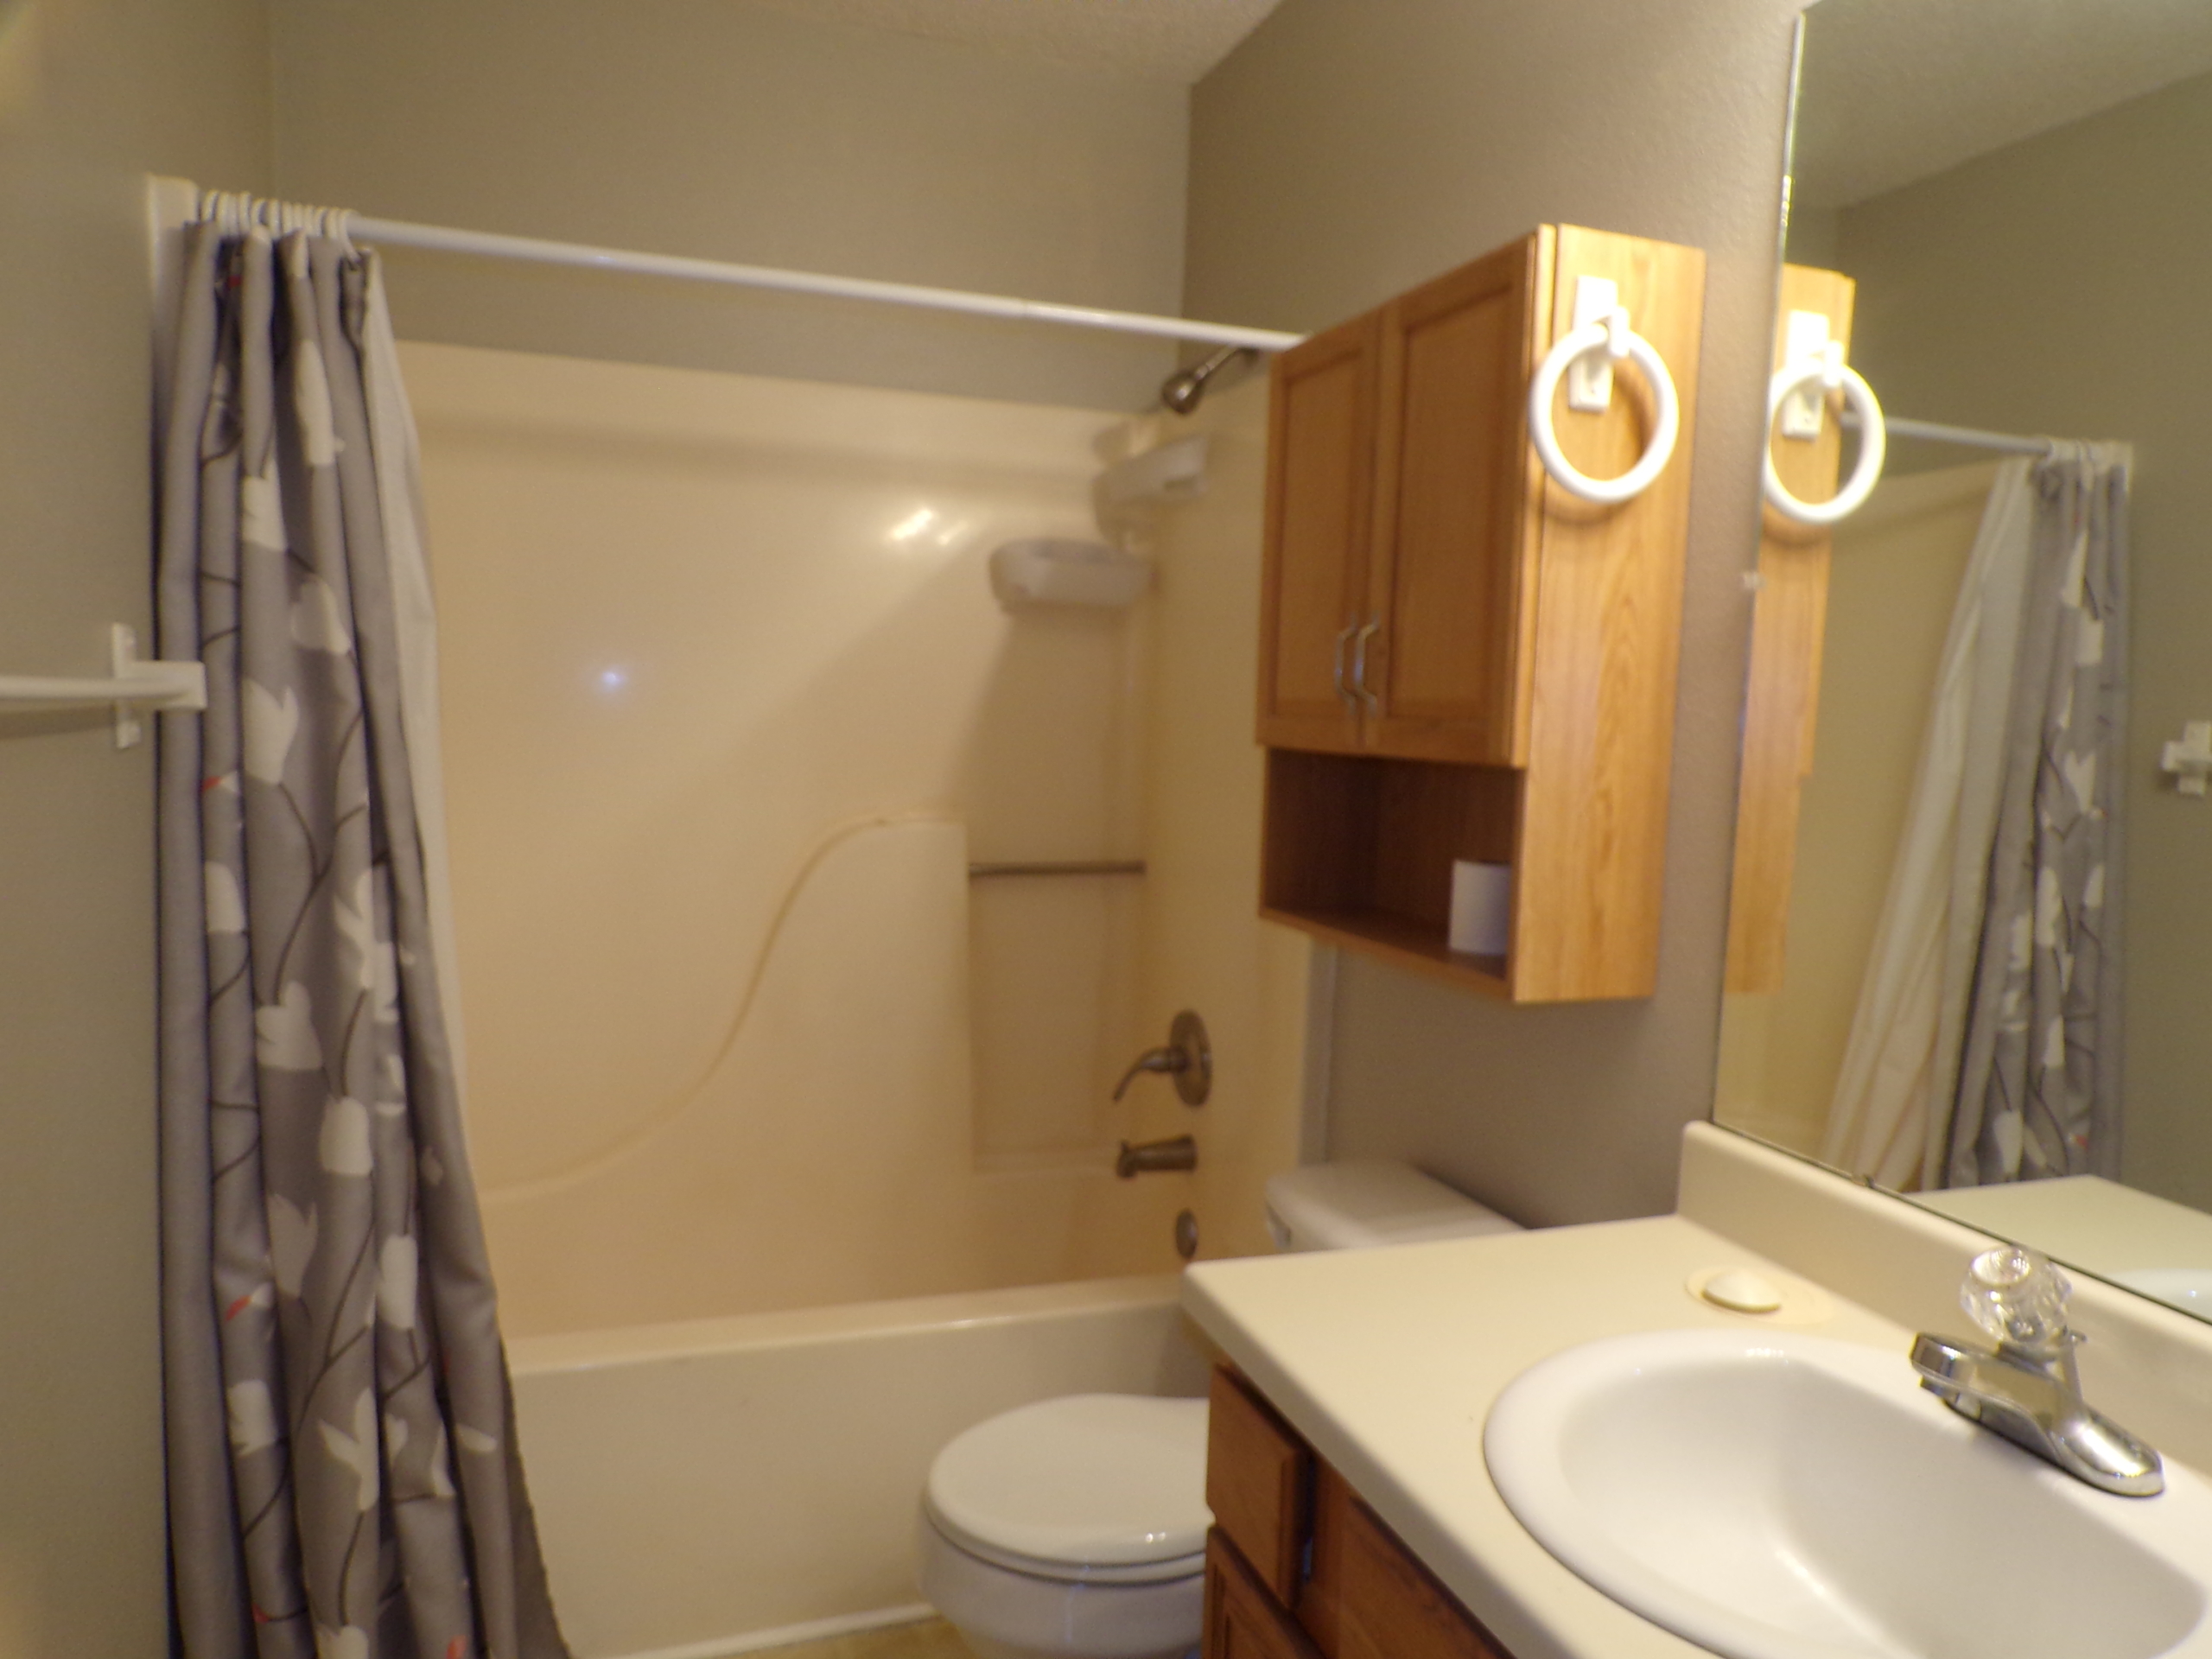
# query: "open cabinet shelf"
1359,851
1400,939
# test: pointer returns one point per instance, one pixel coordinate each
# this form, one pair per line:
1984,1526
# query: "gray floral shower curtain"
343,1474
2040,1084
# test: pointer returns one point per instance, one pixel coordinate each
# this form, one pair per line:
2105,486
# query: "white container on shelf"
1482,907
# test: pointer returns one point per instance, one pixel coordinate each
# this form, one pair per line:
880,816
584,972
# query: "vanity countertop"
1388,1360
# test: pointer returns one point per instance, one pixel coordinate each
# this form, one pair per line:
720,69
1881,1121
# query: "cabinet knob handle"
1343,692
1827,370
1367,629
1610,334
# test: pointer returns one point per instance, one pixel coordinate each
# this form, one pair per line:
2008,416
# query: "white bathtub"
719,1485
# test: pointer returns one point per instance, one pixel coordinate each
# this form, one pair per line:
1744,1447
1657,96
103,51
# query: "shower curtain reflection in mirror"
1983,1040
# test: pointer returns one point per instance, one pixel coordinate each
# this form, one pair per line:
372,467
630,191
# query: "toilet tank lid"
1349,1206
1084,1480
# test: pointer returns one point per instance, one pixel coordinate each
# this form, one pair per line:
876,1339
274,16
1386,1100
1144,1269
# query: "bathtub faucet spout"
1181,1153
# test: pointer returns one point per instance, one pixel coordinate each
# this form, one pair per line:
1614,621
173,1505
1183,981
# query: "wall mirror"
1970,934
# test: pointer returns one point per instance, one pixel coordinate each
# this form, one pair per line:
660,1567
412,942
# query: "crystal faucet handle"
2017,1299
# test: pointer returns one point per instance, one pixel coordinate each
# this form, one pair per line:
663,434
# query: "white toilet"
1075,1528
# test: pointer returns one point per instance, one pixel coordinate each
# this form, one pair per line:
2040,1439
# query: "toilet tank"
1352,1205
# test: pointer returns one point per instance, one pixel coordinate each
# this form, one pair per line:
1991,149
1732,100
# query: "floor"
931,1639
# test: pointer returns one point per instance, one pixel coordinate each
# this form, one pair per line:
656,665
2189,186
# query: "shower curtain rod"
491,246
1968,436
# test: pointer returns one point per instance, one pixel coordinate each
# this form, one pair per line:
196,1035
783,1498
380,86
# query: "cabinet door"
1455,546
1369,1598
1319,513
1243,1621
1259,1477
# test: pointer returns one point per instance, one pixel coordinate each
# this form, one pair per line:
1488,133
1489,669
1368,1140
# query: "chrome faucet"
2027,1387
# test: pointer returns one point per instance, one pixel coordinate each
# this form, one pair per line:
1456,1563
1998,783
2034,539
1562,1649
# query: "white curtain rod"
1968,436
487,244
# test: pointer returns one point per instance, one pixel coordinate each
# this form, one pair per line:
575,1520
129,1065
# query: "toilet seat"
1087,1488
1176,1566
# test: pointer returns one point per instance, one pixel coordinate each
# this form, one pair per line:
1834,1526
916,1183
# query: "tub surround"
1387,1360
728,984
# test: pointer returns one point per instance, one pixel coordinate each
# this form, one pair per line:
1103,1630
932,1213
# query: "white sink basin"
1778,1496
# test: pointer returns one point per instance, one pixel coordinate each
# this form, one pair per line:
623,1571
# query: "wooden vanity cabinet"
1243,1621
1459,659
1346,1588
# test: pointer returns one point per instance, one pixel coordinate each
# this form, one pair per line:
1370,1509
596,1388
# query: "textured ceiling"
1896,89
1170,40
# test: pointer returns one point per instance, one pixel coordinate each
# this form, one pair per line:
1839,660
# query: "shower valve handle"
1187,1057
1153,1059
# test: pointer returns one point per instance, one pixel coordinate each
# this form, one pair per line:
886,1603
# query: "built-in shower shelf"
983,870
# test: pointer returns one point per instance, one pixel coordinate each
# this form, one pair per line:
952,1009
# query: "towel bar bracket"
134,685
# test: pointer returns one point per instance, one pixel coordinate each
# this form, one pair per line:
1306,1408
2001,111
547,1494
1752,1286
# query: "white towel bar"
133,685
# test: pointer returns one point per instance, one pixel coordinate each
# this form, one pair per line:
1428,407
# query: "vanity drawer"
1365,1597
1259,1483
1242,1620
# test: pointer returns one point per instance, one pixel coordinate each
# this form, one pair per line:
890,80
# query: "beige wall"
2057,286
91,95
1349,150
726,130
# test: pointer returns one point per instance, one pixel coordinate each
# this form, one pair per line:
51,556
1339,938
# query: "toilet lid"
1087,1480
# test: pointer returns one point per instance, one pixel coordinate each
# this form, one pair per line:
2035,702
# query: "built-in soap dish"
1769,1298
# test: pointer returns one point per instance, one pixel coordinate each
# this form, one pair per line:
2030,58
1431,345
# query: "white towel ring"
1611,335
1830,370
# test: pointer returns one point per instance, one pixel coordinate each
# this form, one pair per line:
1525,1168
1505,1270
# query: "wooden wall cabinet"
1352,1591
1459,659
